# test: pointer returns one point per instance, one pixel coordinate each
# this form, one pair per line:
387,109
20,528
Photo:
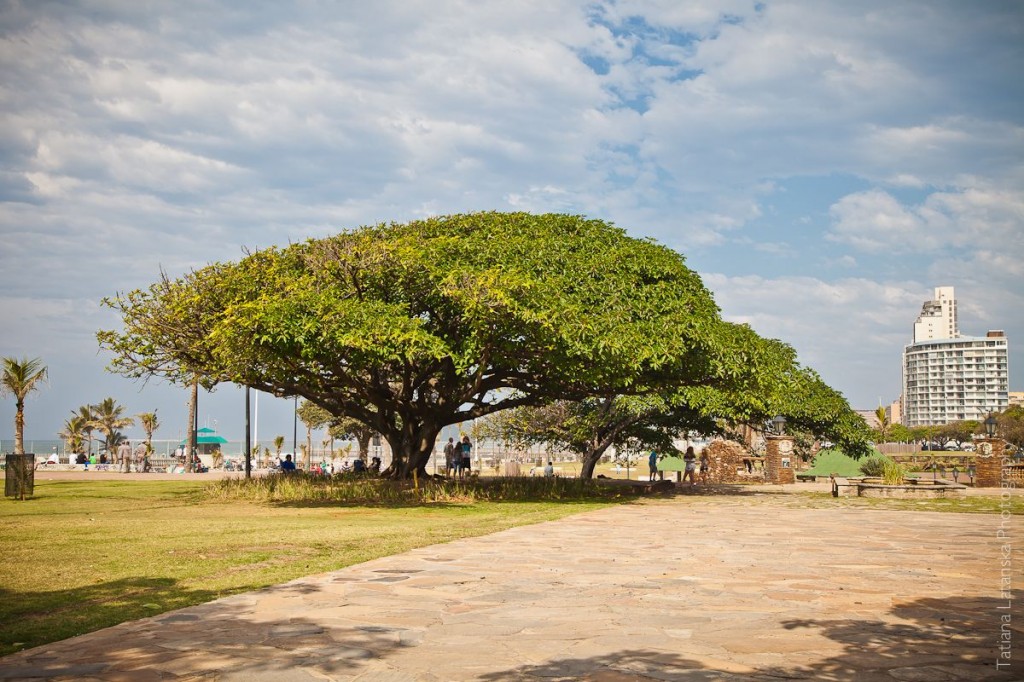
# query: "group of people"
690,466
458,457
125,457
326,468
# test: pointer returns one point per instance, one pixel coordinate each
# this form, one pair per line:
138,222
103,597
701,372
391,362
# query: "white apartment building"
948,377
938,317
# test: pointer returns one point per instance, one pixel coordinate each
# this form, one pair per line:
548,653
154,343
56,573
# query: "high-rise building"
938,317
948,377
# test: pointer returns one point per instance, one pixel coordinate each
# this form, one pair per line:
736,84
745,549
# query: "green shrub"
893,473
874,466
298,487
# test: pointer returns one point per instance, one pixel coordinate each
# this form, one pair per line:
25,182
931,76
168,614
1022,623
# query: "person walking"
124,456
705,467
140,455
652,464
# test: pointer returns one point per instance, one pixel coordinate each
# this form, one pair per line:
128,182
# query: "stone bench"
844,486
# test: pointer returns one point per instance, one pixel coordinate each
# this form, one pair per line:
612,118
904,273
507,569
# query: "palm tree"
73,432
108,417
278,444
85,413
21,377
883,424
149,424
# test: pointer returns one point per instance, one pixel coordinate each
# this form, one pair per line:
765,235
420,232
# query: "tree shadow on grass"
220,640
29,619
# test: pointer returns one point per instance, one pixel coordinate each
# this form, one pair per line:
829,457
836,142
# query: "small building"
208,441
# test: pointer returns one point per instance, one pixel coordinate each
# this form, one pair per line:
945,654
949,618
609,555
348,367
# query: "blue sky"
823,165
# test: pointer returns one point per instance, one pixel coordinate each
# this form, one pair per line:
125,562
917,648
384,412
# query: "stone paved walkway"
728,589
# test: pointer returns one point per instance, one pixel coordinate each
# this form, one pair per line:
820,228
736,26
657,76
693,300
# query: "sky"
823,165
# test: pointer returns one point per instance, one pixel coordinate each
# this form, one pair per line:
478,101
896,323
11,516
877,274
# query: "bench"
843,486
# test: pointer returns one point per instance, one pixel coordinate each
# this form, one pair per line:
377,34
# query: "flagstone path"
724,588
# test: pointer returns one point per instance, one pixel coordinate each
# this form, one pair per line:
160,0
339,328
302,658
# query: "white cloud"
973,217
851,330
136,137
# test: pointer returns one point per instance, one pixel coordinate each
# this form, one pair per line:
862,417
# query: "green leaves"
412,326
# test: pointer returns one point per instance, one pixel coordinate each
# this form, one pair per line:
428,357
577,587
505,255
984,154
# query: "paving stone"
51,671
755,589
295,630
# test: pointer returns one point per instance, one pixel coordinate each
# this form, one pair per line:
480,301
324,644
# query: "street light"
990,425
248,437
779,425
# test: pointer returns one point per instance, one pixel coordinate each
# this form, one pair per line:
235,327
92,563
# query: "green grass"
837,462
80,556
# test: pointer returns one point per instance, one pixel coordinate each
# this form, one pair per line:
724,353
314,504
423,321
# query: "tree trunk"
193,404
590,460
19,427
411,447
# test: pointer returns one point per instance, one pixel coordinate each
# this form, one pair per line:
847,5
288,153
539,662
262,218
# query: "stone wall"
726,460
989,467
779,460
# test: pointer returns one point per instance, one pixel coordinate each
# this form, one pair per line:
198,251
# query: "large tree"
411,327
19,378
763,381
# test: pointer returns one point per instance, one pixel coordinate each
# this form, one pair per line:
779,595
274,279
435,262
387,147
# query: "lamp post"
248,438
779,425
295,429
990,425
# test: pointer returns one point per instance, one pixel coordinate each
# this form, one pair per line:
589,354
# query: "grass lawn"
81,555
835,461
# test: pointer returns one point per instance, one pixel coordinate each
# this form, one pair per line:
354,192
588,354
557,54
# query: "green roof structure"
207,436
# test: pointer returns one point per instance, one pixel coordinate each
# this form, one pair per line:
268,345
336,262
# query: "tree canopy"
411,327
766,384
1010,425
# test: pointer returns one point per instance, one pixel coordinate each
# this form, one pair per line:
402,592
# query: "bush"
893,473
874,466
299,487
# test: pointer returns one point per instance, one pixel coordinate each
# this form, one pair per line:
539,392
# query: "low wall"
919,489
